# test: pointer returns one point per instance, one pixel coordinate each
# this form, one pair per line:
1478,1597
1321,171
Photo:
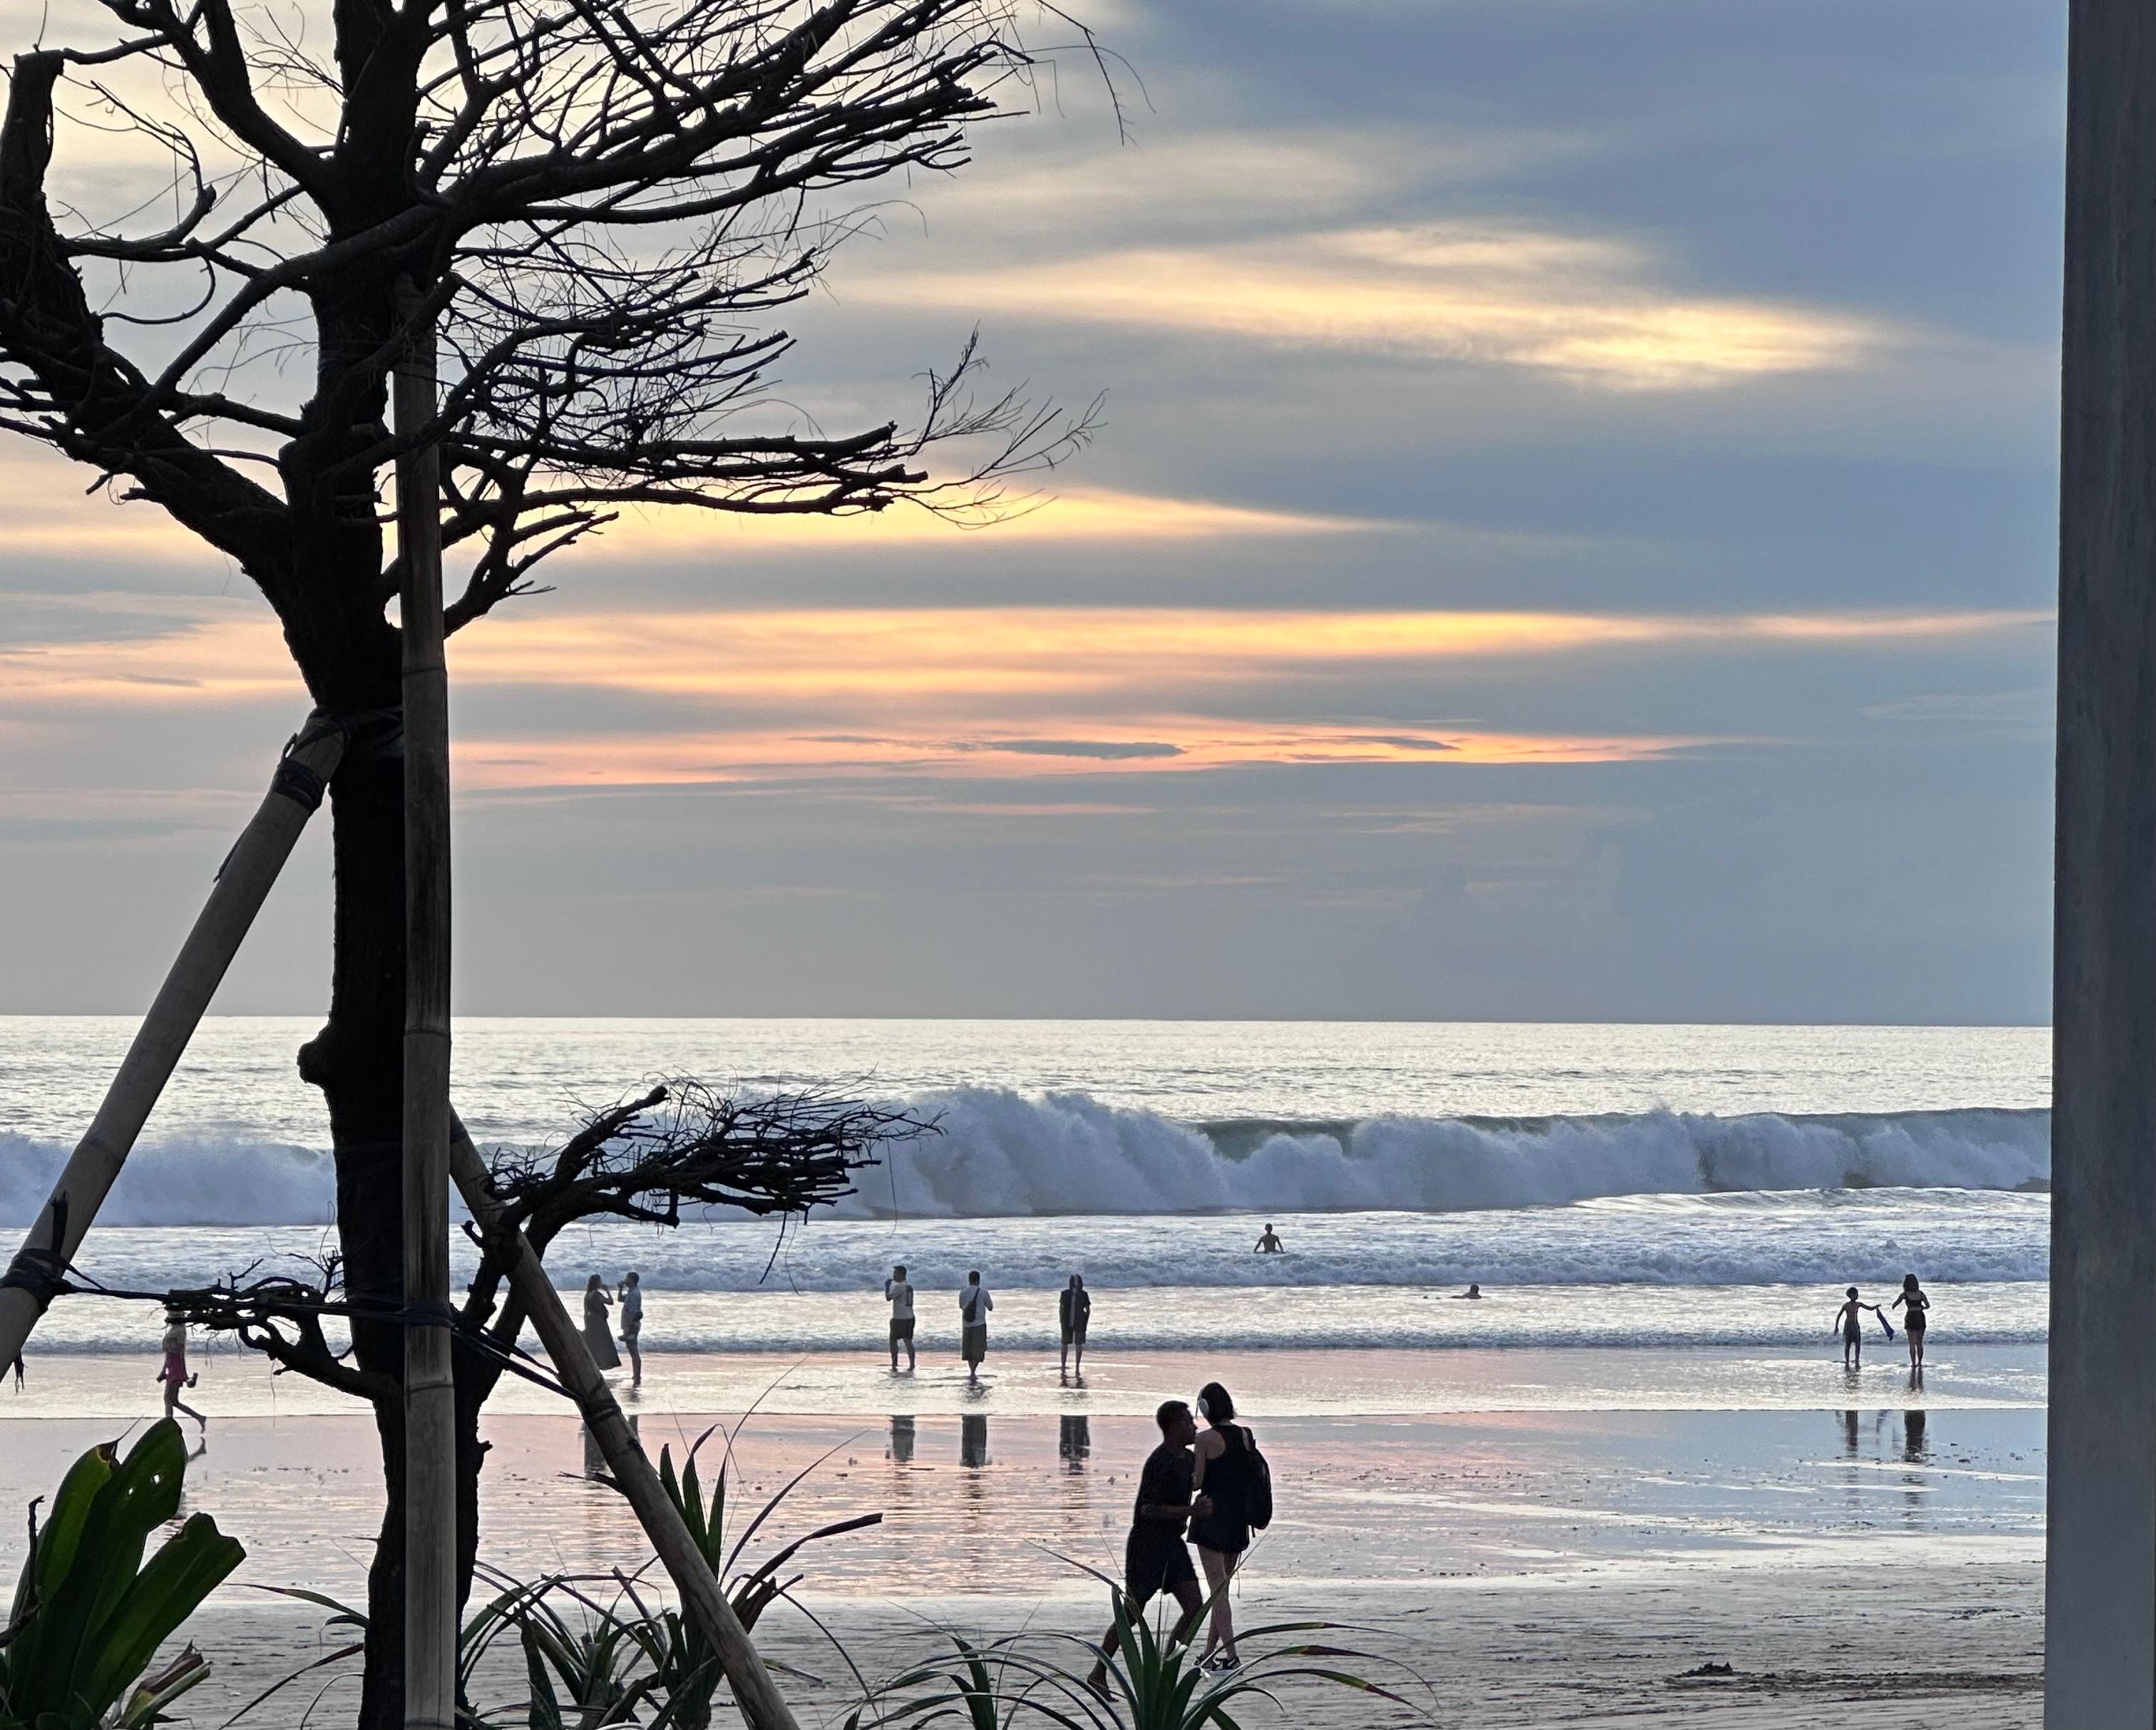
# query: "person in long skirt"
599,1332
974,1304
631,1293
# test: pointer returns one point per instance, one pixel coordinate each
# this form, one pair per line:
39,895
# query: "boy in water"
1852,1330
1270,1243
1155,1557
899,1295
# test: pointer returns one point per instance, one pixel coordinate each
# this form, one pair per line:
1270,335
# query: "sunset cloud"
1598,311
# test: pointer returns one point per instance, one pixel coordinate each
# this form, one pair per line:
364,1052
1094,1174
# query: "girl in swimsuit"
174,1375
1220,1525
1913,1303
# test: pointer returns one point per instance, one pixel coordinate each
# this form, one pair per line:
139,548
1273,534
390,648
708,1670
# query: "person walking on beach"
174,1375
1074,1310
598,1337
898,1293
1270,1243
974,1304
1223,1480
1155,1557
1913,1303
1852,1329
632,1324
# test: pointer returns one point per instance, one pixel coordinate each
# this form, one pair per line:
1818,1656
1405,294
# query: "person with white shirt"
899,1295
974,1304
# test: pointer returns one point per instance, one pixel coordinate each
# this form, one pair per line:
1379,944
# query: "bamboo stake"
235,899
430,1487
701,1594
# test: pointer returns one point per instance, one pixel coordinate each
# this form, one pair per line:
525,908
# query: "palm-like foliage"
1153,1683
88,1614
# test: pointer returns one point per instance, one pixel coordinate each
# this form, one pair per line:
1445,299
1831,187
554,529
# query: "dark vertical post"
2101,1580
430,1505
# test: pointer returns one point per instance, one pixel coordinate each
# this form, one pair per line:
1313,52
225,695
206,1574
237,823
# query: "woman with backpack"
1232,1489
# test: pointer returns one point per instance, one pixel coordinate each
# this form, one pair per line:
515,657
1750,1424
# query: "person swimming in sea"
1270,1244
1473,1290
1852,1329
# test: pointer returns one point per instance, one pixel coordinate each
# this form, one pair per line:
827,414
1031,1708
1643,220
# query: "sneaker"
1222,1661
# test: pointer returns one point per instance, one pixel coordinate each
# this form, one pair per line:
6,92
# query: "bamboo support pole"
701,1593
430,1486
235,897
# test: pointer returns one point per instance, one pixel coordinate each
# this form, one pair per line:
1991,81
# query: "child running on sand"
1852,1330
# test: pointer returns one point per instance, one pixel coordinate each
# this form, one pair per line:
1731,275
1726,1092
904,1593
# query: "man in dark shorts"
1155,1557
1075,1311
898,1293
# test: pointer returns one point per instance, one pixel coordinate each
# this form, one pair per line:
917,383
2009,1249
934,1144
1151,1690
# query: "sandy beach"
1564,1551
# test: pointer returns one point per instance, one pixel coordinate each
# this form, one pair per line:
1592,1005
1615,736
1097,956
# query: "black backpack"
1258,1492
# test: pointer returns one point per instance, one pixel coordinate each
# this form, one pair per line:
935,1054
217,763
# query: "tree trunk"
357,1061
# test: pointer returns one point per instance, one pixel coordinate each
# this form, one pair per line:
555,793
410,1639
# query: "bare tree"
600,205
680,1148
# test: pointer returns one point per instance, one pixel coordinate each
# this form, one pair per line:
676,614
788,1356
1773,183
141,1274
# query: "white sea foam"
1000,1153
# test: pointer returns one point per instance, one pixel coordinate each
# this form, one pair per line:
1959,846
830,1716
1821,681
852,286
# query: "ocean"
1606,1185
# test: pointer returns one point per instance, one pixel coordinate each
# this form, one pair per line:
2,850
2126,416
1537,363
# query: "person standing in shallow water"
599,1335
974,1304
898,1293
1913,1304
174,1375
1220,1517
1075,1311
632,1325
1269,1243
1852,1329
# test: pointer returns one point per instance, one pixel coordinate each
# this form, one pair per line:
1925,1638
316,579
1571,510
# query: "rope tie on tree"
41,1271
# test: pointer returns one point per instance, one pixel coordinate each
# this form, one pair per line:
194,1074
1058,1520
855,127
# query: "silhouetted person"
1850,1317
974,1304
1913,1304
1270,1244
1472,1291
898,1293
632,1325
1221,1515
1155,1557
1074,1306
599,1335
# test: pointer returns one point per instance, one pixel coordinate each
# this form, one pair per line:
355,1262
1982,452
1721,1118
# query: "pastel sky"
1572,538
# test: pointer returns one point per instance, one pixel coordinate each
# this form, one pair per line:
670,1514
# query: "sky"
1572,536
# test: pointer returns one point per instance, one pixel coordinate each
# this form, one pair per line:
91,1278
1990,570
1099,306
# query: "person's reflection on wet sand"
1848,1436
1076,1441
901,1441
973,1439
1914,1448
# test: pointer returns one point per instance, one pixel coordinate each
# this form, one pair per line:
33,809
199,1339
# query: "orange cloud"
1595,309
1155,743
953,652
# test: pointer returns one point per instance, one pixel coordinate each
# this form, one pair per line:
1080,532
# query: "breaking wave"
1003,1154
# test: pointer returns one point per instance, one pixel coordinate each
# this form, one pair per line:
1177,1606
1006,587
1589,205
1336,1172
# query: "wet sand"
1874,1562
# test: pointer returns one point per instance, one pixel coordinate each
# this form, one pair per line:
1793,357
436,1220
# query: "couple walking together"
1215,1482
